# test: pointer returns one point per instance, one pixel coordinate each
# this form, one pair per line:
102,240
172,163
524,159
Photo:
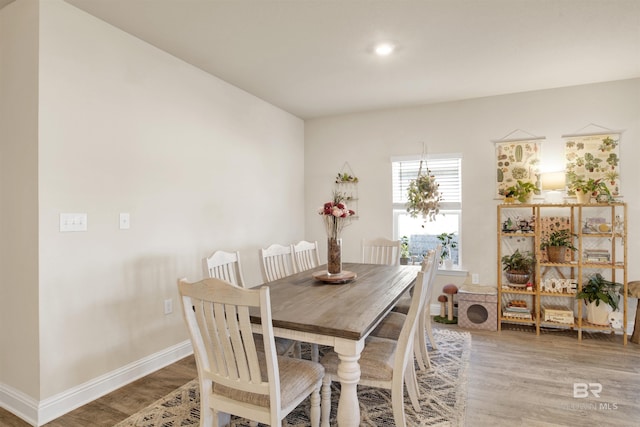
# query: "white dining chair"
381,251
236,375
226,266
306,255
391,326
277,262
385,363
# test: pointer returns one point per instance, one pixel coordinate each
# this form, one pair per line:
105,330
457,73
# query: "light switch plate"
73,222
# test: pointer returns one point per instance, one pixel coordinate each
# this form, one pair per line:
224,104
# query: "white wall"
368,141
19,348
124,127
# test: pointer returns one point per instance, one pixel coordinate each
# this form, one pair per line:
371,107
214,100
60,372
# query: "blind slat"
446,170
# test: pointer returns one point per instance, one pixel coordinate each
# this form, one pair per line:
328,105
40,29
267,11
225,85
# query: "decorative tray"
339,278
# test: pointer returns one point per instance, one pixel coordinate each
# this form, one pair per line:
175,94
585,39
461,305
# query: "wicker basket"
517,278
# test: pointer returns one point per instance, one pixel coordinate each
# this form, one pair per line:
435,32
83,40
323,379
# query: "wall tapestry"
516,160
593,156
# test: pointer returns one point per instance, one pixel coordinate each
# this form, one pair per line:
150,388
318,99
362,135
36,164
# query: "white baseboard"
38,413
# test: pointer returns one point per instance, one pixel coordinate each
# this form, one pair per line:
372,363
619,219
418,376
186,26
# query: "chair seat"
376,360
296,376
403,304
391,326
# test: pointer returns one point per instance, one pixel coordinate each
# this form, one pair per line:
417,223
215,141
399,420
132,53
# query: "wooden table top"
350,310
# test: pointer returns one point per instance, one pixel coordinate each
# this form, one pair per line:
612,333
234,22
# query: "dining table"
312,307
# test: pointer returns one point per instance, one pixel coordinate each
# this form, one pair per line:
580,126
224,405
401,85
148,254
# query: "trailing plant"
600,289
423,196
518,262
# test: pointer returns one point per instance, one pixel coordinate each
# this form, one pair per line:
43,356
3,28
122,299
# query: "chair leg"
422,352
427,314
412,386
297,350
315,407
315,354
325,406
417,353
397,402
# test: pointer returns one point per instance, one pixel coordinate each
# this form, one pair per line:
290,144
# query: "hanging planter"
424,196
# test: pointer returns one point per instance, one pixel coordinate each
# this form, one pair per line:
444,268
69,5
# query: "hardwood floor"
515,378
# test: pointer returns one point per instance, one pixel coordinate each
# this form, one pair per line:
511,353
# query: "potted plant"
404,250
518,266
557,243
596,290
522,191
585,189
448,243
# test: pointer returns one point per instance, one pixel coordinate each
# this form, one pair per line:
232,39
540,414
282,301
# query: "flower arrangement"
336,215
424,196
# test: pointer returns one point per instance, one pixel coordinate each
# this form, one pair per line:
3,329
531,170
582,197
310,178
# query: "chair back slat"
381,251
306,255
225,266
277,262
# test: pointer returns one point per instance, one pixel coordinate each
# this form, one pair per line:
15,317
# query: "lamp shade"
553,180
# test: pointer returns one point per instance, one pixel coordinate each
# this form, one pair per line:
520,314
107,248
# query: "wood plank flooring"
515,379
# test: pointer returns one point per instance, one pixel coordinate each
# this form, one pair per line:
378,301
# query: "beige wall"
368,141
19,347
124,127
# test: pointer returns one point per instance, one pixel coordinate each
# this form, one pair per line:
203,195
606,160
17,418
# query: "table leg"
349,376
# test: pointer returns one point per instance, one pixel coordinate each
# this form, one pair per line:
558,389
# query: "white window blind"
446,169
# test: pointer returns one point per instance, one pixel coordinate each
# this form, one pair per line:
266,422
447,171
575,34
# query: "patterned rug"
442,390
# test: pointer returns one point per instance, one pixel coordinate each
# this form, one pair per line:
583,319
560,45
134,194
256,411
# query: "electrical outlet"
475,278
125,222
168,306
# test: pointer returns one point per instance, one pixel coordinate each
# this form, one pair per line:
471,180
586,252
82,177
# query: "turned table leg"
349,376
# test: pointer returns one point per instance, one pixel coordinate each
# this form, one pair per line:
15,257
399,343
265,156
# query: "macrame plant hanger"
423,158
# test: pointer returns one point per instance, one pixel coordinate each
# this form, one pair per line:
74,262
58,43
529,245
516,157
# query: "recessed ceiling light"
384,49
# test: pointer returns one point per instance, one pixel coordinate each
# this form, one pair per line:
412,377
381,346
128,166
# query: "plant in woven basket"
557,243
518,266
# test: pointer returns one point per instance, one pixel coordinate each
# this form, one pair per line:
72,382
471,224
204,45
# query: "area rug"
442,396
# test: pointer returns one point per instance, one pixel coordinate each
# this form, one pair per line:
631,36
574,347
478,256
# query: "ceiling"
314,58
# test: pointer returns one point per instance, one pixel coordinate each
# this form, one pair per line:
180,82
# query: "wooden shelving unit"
576,270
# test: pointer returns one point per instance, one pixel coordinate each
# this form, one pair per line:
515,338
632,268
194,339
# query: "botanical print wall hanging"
594,156
516,159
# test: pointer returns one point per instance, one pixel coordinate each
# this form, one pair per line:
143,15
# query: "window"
423,235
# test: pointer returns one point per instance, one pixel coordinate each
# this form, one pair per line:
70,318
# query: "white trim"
39,413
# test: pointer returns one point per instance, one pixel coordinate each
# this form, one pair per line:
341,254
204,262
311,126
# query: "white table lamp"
553,184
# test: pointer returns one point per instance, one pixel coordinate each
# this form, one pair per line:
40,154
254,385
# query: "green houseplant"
404,250
596,290
522,191
585,189
518,266
557,243
448,243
